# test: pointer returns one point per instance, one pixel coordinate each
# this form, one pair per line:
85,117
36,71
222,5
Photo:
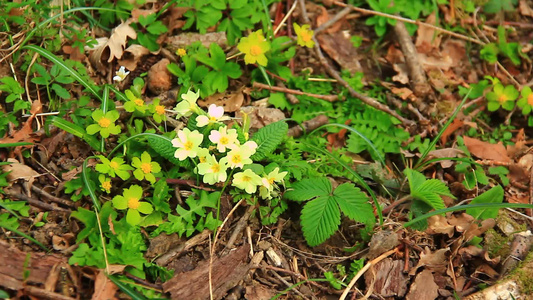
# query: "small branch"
367,100
330,98
35,202
333,20
363,270
309,125
52,198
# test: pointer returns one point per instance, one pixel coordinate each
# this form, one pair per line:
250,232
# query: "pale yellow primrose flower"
212,170
120,74
203,153
240,155
247,181
224,138
188,143
267,189
214,114
188,105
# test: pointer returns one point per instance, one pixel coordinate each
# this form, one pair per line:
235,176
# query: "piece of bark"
388,277
417,75
520,247
226,273
13,266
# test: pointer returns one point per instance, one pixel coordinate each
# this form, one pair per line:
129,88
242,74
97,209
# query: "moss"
524,275
496,244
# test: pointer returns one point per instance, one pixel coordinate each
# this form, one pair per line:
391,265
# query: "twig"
417,75
238,228
284,19
292,99
288,284
212,251
330,98
363,270
44,294
52,198
333,20
406,20
309,125
35,202
176,251
368,100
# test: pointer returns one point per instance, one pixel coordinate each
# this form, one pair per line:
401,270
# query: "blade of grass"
437,138
7,145
125,288
22,234
60,63
464,207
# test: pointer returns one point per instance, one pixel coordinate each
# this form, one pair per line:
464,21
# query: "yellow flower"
304,35
254,47
181,52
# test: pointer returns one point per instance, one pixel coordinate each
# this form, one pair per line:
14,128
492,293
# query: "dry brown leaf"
446,152
338,46
525,9
160,79
230,101
439,224
136,13
485,150
433,261
427,39
402,76
424,287
132,56
324,17
19,171
403,92
104,289
260,116
113,48
456,124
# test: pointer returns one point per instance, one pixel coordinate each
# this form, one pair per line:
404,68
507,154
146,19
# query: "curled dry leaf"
424,287
433,261
132,56
439,224
113,48
260,116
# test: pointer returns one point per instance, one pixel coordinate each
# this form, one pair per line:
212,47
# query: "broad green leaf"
268,138
309,188
354,203
320,219
494,195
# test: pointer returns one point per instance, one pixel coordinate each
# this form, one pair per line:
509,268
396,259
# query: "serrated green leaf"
354,203
268,138
429,191
320,219
309,188
163,146
494,195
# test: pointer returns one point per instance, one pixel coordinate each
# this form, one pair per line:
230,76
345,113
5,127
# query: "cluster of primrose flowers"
254,46
143,169
218,150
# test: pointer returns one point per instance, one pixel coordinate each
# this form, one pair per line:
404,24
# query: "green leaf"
428,191
320,219
354,203
268,138
494,195
163,146
309,188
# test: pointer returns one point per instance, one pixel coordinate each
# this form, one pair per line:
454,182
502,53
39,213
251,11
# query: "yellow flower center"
114,165
212,119
530,99
181,52
223,140
215,168
160,109
202,159
146,168
502,98
106,185
271,180
138,102
246,178
188,145
306,37
236,159
104,122
255,50
133,203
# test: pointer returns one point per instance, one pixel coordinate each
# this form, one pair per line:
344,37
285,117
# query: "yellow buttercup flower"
304,35
254,47
181,52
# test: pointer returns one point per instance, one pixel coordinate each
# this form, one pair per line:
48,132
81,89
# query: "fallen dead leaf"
402,76
338,46
19,171
104,289
424,287
113,48
439,224
403,92
324,17
160,79
433,261
485,150
427,38
525,9
456,124
260,116
231,102
132,56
